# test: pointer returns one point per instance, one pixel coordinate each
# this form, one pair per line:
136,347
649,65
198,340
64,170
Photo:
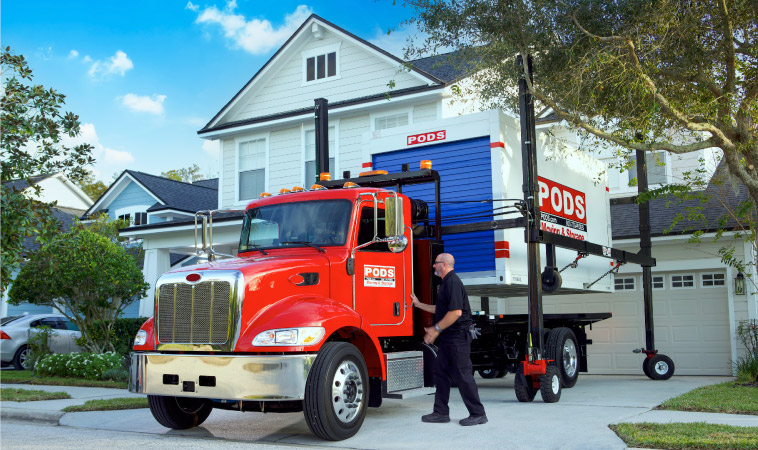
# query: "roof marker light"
349,185
373,172
264,195
284,191
325,176
317,187
297,189
426,164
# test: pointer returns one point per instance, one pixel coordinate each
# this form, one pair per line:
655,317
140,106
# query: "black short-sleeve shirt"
452,296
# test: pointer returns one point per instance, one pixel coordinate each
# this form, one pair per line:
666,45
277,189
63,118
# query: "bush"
122,335
115,374
747,366
89,366
39,345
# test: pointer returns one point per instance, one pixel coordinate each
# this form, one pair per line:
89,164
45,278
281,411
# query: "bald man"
452,316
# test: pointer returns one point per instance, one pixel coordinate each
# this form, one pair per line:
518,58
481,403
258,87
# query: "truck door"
380,289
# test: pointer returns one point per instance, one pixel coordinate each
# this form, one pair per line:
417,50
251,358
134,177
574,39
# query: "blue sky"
144,76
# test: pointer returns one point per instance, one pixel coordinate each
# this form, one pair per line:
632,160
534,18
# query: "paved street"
579,421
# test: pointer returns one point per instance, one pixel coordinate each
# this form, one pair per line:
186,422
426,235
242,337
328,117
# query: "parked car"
14,334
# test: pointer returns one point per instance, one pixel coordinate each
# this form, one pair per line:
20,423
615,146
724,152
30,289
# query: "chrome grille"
194,313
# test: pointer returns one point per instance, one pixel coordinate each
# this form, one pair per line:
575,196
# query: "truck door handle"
396,307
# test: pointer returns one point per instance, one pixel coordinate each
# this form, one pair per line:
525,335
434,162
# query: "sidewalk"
51,411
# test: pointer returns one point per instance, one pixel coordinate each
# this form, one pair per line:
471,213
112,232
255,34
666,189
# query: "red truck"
314,315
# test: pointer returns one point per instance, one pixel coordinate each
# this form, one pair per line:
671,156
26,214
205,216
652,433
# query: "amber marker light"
426,164
373,172
284,191
297,189
264,195
349,185
325,176
317,187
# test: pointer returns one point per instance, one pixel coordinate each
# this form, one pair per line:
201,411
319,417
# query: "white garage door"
691,323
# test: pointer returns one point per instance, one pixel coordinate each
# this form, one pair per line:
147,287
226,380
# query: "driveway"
579,421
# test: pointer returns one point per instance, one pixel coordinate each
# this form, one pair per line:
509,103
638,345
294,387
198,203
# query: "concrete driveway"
579,421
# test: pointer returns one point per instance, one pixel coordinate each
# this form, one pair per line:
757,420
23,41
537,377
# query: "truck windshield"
286,225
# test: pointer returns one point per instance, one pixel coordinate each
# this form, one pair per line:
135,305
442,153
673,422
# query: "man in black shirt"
452,316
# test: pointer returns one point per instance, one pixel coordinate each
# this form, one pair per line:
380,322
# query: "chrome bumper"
279,377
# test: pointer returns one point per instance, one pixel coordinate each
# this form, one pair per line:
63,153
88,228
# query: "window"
321,66
682,281
127,217
713,279
658,282
656,173
624,284
366,230
252,168
310,155
140,218
391,121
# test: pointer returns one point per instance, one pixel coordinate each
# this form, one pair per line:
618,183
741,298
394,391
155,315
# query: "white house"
265,135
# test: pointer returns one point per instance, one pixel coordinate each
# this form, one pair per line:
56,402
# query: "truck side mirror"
394,224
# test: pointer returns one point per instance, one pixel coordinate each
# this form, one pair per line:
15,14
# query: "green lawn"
26,395
730,398
109,404
690,436
25,377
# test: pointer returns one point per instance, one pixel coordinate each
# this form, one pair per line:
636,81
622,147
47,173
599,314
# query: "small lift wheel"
523,386
550,385
659,367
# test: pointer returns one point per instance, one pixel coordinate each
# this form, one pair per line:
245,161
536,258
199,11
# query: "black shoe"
473,420
435,418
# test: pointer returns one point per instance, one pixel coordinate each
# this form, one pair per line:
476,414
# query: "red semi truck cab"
297,321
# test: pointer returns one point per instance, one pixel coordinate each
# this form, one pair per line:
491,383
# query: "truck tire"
179,413
646,367
550,385
21,358
336,392
555,285
563,349
660,367
523,386
491,373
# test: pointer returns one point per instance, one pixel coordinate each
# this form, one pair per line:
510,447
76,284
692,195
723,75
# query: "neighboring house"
265,136
144,199
71,203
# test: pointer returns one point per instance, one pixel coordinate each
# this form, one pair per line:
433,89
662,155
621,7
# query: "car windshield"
9,319
285,225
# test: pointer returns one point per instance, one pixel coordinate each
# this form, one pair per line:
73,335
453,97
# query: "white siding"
229,169
361,72
424,113
351,130
285,159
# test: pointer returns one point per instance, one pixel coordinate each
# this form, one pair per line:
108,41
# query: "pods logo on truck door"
379,276
563,210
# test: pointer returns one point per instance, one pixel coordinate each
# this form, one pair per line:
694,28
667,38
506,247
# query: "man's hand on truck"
433,332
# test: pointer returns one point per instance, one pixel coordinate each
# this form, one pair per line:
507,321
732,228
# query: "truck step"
408,393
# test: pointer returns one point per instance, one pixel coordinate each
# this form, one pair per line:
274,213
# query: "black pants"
454,362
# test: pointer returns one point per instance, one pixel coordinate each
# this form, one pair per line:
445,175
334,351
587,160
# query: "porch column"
157,262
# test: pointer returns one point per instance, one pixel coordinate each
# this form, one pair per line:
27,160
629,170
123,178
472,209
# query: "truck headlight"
290,336
140,338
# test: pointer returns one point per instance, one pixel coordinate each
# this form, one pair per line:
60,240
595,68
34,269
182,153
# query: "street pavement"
579,421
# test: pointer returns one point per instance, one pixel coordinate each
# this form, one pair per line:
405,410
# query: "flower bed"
89,366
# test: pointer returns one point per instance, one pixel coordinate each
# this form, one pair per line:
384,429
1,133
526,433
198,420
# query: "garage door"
691,319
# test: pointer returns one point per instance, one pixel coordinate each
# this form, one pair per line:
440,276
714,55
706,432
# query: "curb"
52,417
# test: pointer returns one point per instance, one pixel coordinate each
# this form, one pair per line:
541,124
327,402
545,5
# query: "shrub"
115,374
122,335
39,345
89,366
747,366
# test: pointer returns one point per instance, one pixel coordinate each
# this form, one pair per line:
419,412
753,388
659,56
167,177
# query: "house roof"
211,183
625,220
447,67
22,184
67,216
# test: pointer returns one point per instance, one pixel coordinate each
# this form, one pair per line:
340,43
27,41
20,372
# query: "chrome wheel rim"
569,358
23,358
661,367
347,391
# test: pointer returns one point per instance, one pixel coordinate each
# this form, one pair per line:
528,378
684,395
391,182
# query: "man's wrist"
437,327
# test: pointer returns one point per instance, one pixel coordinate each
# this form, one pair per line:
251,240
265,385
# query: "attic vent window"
321,66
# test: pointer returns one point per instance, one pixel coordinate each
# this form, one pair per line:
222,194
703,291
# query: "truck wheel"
660,367
646,367
491,373
21,358
336,392
555,285
563,349
550,385
523,386
179,413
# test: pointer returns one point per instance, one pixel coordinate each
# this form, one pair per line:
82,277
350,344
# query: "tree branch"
728,47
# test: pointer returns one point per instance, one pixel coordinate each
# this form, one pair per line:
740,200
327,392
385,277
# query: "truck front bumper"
280,377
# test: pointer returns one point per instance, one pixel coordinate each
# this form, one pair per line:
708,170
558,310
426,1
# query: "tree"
87,276
91,186
32,128
671,75
187,175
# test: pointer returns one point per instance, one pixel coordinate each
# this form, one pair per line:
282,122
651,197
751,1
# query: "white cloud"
192,7
107,159
143,103
117,64
211,148
73,54
255,36
116,157
87,59
396,42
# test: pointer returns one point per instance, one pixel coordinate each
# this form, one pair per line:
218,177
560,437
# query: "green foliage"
116,374
90,277
39,345
121,334
90,366
29,395
26,377
91,186
109,404
727,398
747,365
31,144
686,436
185,174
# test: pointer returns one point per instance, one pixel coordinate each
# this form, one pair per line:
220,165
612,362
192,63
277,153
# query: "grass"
26,395
26,377
694,436
110,404
729,398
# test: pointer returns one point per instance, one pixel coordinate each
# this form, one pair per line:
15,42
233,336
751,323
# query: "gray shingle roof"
447,67
22,184
176,194
211,183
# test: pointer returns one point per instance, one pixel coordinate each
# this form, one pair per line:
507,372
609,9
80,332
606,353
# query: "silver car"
14,334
